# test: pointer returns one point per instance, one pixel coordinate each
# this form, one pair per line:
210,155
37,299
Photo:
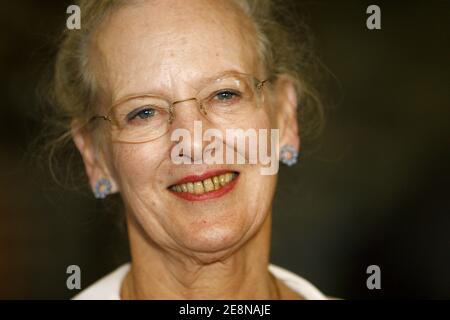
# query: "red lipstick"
206,175
207,195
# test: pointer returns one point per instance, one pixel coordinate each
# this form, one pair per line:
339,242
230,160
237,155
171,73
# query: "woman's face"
168,48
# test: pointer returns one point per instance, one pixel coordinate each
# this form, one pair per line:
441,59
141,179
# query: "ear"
94,163
286,112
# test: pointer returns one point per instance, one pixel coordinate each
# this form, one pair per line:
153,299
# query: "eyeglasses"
225,102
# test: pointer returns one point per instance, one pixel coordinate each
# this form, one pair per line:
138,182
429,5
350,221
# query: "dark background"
376,192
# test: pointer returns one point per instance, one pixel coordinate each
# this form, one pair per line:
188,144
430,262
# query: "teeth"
216,183
222,180
207,185
198,187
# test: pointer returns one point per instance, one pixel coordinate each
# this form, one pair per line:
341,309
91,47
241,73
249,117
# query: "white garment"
108,287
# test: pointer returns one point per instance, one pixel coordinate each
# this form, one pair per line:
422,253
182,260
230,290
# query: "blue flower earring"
102,188
288,155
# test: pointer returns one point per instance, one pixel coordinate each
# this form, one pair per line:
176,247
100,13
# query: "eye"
226,95
142,114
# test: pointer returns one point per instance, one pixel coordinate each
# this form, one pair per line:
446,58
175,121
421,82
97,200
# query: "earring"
288,155
102,188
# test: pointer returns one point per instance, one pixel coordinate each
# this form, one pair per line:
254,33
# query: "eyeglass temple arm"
263,82
100,117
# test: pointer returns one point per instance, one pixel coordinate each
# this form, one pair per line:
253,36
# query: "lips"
210,185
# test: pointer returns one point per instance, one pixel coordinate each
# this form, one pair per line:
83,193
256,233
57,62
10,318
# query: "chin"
214,243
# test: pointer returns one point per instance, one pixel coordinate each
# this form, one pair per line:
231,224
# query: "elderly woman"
136,72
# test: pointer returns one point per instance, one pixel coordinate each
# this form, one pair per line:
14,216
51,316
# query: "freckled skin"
217,248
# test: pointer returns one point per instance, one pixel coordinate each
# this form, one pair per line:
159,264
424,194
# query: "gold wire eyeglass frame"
256,83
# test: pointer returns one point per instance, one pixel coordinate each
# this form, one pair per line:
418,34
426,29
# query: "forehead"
157,46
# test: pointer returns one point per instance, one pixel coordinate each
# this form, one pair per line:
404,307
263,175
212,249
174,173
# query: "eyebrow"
201,82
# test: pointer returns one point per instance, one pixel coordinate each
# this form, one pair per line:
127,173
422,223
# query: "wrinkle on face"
168,58
167,48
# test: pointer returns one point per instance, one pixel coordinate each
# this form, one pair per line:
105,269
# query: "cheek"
261,187
261,119
260,190
136,165
266,131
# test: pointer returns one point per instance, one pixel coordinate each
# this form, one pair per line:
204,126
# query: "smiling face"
168,48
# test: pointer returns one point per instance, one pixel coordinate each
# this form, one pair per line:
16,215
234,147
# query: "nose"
189,116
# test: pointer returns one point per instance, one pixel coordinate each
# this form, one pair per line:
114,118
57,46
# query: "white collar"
108,287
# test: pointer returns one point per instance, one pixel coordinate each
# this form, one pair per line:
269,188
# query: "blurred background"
375,193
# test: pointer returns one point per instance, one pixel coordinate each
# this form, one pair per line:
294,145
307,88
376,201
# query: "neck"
157,273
